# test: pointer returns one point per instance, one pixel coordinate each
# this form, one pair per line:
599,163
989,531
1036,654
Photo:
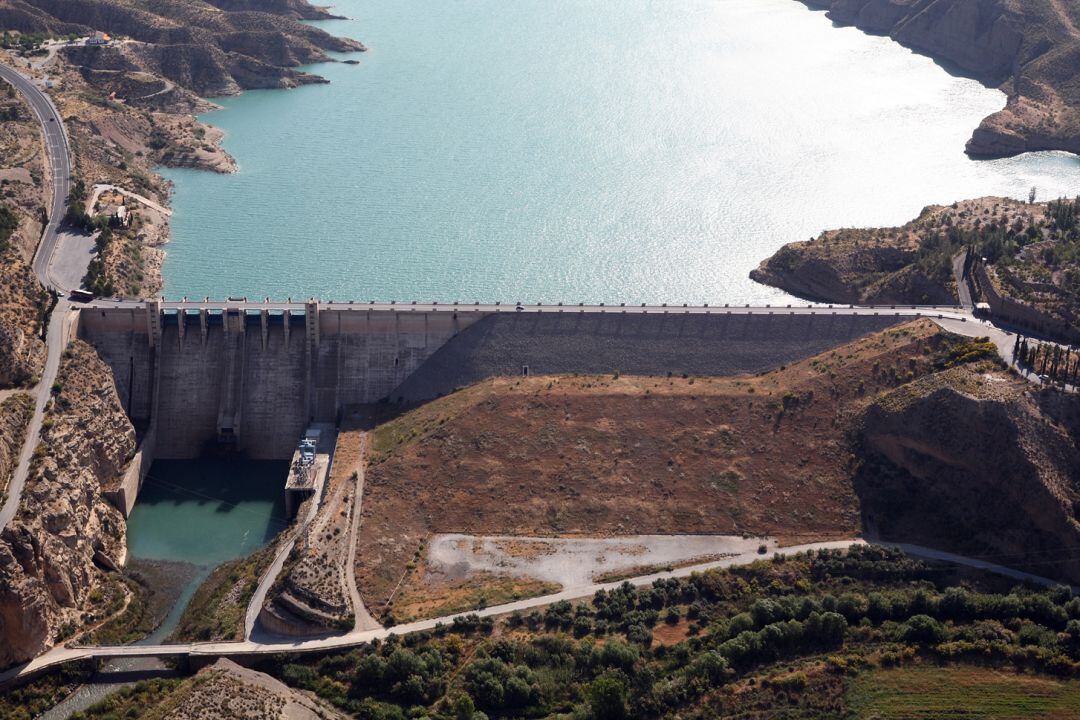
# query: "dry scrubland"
1031,255
565,455
222,690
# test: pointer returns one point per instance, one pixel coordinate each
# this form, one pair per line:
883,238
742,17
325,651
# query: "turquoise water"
644,150
206,512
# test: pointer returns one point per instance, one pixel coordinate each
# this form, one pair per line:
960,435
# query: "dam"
254,375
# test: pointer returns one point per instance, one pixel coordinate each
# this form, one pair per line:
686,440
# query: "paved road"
193,306
62,655
56,146
57,151
363,619
963,284
59,329
102,187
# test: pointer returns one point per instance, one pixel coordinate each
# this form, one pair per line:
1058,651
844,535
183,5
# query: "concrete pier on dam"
257,374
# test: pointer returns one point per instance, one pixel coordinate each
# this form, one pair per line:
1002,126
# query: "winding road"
58,153
59,160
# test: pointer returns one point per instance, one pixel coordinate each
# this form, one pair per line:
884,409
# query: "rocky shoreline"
130,105
1017,257
1030,50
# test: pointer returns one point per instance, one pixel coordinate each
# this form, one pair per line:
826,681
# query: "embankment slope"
977,463
615,455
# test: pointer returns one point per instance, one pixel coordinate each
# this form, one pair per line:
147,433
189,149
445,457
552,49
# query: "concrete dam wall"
258,377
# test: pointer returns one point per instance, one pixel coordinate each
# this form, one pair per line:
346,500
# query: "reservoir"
205,512
578,150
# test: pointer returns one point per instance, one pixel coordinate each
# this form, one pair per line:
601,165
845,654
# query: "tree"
922,629
607,698
464,709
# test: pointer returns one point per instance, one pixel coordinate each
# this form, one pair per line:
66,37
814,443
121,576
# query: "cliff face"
974,463
1030,48
22,299
53,553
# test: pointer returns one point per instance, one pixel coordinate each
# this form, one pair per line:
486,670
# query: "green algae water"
205,512
578,150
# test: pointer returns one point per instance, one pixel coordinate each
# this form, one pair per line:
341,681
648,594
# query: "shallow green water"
578,150
206,512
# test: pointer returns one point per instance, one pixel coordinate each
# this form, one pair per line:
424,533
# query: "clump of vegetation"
33,699
217,610
1058,363
796,631
132,701
9,223
957,350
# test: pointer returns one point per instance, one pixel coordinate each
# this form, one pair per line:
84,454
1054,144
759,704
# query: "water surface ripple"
644,150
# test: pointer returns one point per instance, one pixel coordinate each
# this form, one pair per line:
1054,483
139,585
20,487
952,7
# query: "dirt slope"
603,455
979,464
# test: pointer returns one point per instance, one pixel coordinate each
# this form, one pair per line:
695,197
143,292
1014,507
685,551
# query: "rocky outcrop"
15,414
1028,48
864,266
22,305
64,536
202,47
973,462
299,9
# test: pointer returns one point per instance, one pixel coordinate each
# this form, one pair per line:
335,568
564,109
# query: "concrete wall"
654,344
1022,315
124,494
253,374
122,339
267,376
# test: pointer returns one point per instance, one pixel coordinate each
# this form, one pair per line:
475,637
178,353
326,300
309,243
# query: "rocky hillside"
210,49
977,463
1028,48
15,413
1031,252
55,553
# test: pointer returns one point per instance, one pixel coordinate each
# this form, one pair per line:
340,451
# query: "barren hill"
561,455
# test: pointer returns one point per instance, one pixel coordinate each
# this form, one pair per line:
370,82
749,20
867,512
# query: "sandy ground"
575,562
